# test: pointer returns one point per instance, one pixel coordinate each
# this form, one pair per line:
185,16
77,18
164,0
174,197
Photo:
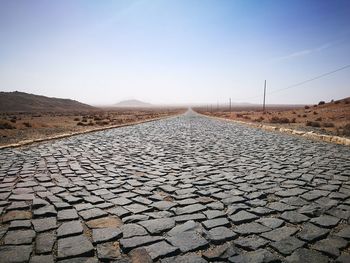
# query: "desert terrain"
331,118
26,117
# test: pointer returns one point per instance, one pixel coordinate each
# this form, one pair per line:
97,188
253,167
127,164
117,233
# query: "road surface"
184,189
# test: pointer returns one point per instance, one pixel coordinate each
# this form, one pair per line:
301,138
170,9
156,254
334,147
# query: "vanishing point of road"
184,189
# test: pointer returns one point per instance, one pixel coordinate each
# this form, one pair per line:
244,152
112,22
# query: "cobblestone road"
185,189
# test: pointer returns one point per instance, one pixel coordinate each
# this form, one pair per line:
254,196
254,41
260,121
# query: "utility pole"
230,105
264,96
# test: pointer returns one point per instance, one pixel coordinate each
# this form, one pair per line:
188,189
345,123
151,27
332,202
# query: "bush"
76,119
313,124
80,123
304,116
346,129
306,107
315,113
6,126
27,124
337,102
319,119
293,120
328,124
321,102
279,120
260,119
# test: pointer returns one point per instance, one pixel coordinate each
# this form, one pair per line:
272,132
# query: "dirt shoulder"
17,129
326,121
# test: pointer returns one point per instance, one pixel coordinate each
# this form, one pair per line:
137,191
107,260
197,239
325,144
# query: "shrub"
260,119
313,124
299,115
76,119
337,102
293,120
279,120
328,124
304,116
319,119
346,129
6,126
321,102
27,124
306,107
315,113
80,123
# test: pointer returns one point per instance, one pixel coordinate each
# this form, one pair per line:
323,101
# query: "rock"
331,246
190,209
74,246
100,235
19,237
345,233
92,213
137,208
45,224
48,210
306,256
208,224
220,234
163,205
251,228
70,229
160,250
294,217
220,253
188,241
192,258
16,215
104,222
325,221
108,251
67,214
131,230
287,246
12,254
42,259
258,256
188,226
281,233
157,226
242,217
20,224
251,242
312,233
44,243
271,222
140,255
128,244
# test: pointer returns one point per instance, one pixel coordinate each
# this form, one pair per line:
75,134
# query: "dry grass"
327,118
16,127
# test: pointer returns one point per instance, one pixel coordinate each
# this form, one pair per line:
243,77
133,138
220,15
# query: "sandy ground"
17,127
330,118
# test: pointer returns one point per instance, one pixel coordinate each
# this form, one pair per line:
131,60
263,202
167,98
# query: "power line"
303,82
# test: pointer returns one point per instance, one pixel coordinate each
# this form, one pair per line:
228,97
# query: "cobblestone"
184,189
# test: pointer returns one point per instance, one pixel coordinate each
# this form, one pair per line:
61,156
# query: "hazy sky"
164,51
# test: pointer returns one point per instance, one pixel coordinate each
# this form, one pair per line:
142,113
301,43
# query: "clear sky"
175,51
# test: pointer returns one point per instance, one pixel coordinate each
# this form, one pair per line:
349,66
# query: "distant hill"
21,101
133,103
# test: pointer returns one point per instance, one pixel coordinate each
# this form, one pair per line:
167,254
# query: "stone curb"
309,135
65,135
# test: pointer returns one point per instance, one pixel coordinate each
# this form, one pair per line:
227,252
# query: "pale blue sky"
165,51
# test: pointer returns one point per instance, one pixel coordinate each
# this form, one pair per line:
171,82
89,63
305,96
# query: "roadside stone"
287,246
188,241
74,246
70,229
100,235
306,256
11,254
157,226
